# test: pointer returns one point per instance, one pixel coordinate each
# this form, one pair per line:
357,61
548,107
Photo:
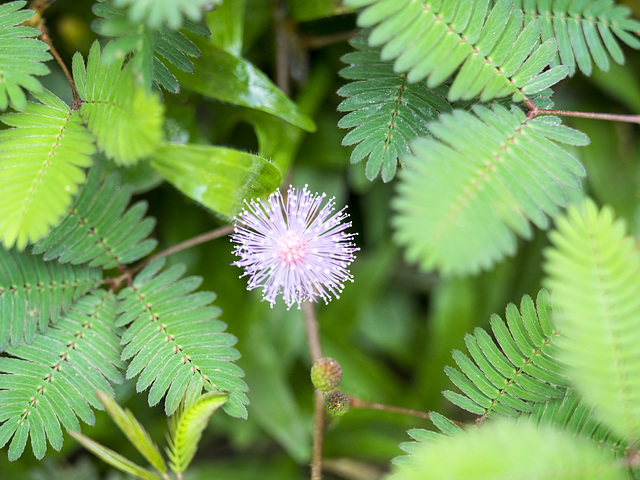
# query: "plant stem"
315,352
191,242
614,117
39,6
311,324
355,402
318,435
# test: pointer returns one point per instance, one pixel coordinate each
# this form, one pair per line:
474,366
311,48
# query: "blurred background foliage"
393,329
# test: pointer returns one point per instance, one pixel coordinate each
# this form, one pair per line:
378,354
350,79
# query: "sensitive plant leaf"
493,53
510,375
217,177
51,383
114,458
421,436
125,119
33,293
156,13
134,431
152,48
387,112
226,77
21,56
572,414
465,195
506,449
174,342
98,230
592,271
187,427
41,167
587,32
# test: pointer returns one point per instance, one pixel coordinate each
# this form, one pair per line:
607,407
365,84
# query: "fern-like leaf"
508,449
152,47
34,292
585,31
593,272
156,13
174,341
509,377
187,427
572,414
41,162
126,120
52,382
462,198
491,51
97,230
21,56
421,436
386,111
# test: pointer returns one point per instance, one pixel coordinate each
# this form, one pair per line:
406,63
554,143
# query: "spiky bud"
337,403
326,374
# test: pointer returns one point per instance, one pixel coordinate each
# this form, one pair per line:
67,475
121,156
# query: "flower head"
294,246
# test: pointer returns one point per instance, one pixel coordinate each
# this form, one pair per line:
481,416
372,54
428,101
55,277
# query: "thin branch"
355,402
311,324
191,242
318,435
38,22
315,352
613,117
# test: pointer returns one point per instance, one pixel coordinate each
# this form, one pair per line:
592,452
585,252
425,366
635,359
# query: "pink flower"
292,246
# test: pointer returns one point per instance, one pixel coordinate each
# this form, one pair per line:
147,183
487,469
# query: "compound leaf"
41,167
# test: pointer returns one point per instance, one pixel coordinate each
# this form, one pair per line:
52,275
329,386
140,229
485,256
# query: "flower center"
291,250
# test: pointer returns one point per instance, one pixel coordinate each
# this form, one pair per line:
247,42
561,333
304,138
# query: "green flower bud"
337,403
326,374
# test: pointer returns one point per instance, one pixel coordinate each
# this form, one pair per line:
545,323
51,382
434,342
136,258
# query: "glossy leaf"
217,177
226,77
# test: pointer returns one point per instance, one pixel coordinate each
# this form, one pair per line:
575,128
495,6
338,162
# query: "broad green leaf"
227,26
217,177
232,79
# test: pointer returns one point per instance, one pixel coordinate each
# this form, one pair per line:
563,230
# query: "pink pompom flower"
294,246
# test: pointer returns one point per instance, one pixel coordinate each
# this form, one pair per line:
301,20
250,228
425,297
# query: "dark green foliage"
97,230
493,53
585,31
387,112
33,293
510,376
148,43
52,382
21,56
174,342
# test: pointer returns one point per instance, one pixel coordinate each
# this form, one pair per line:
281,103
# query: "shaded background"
393,329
